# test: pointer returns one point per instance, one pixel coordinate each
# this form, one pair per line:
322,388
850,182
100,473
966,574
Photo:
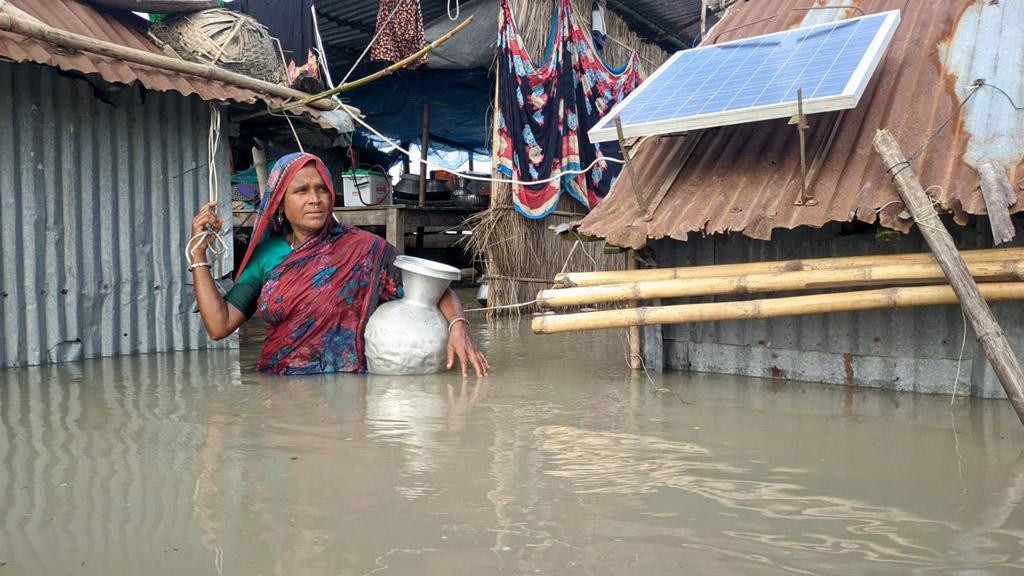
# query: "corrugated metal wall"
97,192
913,349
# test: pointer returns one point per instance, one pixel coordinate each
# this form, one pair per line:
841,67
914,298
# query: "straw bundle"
512,247
231,40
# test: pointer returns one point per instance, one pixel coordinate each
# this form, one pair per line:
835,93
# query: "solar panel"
756,79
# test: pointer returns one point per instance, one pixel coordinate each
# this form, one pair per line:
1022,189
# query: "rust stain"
848,366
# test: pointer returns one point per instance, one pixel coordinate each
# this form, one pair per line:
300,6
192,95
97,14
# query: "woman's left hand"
461,346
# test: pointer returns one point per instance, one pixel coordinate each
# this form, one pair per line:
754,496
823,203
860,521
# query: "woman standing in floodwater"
313,280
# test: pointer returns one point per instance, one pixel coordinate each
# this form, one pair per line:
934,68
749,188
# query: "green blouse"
246,293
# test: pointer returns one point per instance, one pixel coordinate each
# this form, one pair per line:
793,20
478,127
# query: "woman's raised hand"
207,216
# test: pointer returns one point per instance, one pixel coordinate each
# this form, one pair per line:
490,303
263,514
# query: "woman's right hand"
207,216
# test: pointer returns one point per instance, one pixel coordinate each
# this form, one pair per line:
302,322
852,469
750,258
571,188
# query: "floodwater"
561,462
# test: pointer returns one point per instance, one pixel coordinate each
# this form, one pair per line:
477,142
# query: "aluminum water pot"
410,335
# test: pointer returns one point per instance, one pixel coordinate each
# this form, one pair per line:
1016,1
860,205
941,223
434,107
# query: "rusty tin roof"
746,178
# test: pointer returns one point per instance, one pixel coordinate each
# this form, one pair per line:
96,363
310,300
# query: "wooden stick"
165,6
575,279
893,274
901,297
70,40
987,330
424,148
635,359
640,203
999,195
259,160
311,99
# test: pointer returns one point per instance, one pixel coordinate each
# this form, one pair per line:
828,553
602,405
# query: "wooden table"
395,218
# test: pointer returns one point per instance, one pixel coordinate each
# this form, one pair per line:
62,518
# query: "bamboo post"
259,160
577,279
424,171
424,146
900,297
635,359
987,330
629,170
892,274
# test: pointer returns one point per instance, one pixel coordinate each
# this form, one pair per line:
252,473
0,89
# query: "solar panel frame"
854,88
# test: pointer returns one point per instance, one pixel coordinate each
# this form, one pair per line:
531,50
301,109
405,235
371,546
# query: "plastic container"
365,188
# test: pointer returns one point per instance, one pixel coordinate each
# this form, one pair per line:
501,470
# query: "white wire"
468,176
218,246
457,9
960,359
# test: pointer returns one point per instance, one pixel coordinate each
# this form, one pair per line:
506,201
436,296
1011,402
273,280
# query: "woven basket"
231,40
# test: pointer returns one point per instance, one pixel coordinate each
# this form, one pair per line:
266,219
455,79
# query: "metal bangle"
195,265
457,320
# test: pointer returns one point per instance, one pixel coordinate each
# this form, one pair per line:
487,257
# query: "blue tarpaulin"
459,103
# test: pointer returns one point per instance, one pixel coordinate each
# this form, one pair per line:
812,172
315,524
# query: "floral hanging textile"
545,111
403,35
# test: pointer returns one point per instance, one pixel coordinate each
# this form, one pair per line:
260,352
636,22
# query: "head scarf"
280,177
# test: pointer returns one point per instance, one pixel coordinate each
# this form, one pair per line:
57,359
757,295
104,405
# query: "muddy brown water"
561,462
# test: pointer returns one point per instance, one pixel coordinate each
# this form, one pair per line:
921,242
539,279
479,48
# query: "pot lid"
427,267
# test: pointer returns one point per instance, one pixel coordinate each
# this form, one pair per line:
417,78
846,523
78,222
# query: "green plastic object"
363,172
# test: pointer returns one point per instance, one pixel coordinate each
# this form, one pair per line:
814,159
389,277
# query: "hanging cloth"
403,35
544,113
290,21
598,28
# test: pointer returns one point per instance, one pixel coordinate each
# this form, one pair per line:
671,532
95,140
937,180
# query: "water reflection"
560,463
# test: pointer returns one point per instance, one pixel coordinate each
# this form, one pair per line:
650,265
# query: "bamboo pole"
635,359
900,297
773,282
46,33
424,149
259,160
987,330
311,99
577,279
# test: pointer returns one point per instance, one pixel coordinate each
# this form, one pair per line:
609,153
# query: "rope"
217,246
457,10
960,359
506,306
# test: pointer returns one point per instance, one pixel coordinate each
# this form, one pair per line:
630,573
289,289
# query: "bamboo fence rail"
900,297
579,279
891,274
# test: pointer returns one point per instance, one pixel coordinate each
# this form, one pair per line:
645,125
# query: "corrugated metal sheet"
910,349
665,23
347,26
125,30
96,200
746,178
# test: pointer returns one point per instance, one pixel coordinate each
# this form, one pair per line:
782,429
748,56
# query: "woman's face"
306,201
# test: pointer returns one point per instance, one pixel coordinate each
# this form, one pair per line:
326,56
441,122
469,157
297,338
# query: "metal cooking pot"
408,189
466,199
